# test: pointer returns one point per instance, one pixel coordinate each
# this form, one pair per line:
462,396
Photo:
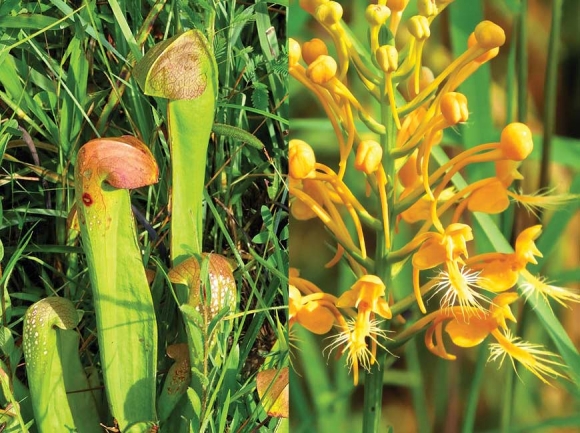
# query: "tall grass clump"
143,225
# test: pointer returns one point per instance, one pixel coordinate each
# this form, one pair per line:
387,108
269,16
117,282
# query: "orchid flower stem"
373,394
374,380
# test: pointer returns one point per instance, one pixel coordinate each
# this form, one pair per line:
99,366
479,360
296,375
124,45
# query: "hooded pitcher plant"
393,153
183,70
59,389
127,331
207,289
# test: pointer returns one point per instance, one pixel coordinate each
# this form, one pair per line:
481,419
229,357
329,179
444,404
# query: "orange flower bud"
312,49
454,108
369,155
500,310
329,13
322,70
471,41
456,237
419,27
301,159
366,295
311,5
312,315
398,5
426,77
377,15
498,276
469,334
489,35
316,318
516,141
387,58
294,52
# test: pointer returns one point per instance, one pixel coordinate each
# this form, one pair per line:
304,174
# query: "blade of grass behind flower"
567,277
263,24
464,17
125,28
418,389
507,399
554,229
315,374
550,96
74,98
89,29
474,390
272,116
7,128
29,21
18,99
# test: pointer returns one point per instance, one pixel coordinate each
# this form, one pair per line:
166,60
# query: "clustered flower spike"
394,160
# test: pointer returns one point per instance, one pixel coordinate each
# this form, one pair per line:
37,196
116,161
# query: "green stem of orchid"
374,380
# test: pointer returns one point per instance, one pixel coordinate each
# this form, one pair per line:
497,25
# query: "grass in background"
422,393
65,77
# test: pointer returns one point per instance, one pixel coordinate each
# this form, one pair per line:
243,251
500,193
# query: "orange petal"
431,254
491,199
349,298
316,318
468,334
498,276
382,309
525,246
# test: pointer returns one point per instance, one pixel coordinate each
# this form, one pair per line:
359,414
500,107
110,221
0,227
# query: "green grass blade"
125,28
